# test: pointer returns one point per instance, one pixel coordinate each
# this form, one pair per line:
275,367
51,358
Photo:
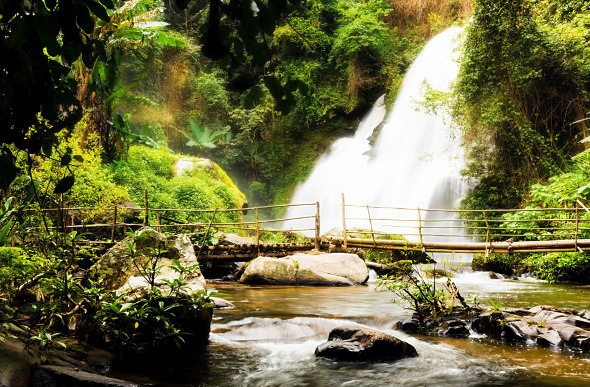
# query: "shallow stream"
270,337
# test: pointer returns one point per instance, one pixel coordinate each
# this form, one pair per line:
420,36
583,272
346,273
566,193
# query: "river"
270,337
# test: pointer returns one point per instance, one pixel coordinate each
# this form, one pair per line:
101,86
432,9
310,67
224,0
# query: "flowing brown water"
270,337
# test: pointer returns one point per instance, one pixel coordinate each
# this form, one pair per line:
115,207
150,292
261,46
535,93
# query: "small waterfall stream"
415,162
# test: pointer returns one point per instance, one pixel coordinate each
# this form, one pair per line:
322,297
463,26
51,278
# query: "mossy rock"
499,263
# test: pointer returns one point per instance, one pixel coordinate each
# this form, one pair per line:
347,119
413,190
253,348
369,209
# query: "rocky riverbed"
542,325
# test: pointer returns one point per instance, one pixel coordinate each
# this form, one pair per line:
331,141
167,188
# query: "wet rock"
500,276
549,338
568,333
306,269
410,326
489,323
57,376
362,344
583,343
520,331
220,303
523,312
15,362
455,328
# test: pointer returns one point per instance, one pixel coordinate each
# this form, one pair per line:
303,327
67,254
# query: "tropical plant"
205,137
425,298
39,99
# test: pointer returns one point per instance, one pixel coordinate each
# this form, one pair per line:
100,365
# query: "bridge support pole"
344,236
317,226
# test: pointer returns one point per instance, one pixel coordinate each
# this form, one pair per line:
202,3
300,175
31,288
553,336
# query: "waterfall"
415,162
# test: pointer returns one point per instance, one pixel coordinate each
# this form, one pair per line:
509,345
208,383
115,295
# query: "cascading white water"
415,162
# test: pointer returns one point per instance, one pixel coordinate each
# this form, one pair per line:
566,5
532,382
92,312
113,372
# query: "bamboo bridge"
530,230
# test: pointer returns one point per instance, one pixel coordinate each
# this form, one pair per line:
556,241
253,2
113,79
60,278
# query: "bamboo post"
146,221
371,224
257,233
577,226
114,224
159,222
206,234
344,221
420,230
60,214
488,242
317,226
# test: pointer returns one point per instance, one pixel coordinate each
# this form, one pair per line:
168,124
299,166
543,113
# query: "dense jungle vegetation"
522,100
100,97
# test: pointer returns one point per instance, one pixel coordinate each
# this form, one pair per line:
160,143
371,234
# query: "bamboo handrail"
564,223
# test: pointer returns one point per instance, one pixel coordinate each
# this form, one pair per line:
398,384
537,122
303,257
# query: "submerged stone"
363,344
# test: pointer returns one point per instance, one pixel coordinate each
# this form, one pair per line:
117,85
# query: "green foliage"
555,267
45,342
17,266
39,99
205,137
204,187
564,189
425,298
157,321
499,263
386,257
523,82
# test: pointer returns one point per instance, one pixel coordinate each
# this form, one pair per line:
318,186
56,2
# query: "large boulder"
338,269
119,269
363,344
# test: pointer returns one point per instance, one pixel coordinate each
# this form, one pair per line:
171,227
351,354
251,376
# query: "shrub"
555,267
17,266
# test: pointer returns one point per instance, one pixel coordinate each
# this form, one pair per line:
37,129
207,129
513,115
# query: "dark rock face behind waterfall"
362,344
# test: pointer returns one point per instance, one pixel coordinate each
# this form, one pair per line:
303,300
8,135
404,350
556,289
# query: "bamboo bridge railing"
460,231
363,226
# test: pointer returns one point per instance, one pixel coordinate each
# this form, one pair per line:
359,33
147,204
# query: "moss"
205,186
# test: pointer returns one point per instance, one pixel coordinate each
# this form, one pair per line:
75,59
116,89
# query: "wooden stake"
344,221
420,230
114,224
206,234
577,225
371,224
159,222
317,226
257,233
146,221
487,232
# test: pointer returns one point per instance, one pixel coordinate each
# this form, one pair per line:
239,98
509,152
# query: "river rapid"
269,339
